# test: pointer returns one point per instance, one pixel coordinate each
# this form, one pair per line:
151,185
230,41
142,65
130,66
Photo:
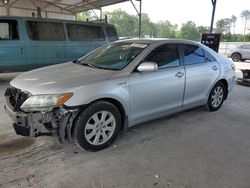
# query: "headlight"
45,102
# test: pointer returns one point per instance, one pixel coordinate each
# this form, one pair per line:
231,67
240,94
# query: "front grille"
16,97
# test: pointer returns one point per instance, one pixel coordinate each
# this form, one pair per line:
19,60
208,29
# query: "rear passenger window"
209,57
8,30
112,34
80,32
193,54
165,56
245,47
45,31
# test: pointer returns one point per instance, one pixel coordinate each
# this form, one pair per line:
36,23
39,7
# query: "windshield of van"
114,56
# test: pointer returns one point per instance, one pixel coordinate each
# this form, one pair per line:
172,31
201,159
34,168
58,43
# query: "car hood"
57,78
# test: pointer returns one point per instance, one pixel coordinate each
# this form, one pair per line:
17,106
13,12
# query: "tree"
233,21
84,16
126,24
223,25
164,29
189,31
203,29
246,16
148,27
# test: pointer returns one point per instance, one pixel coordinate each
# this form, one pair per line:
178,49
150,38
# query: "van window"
8,30
80,32
45,31
193,54
112,34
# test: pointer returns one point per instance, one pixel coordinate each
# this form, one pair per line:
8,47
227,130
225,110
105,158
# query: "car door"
202,70
152,93
12,48
245,51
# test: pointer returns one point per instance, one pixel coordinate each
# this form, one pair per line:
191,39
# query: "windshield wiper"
90,65
76,61
84,64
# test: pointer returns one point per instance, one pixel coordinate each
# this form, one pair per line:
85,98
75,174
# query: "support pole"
212,20
139,14
100,13
139,33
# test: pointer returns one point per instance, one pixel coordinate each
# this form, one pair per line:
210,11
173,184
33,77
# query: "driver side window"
165,56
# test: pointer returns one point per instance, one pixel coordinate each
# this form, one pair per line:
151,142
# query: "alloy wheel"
100,127
217,96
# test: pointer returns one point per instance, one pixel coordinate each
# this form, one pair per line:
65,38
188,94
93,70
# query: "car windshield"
114,56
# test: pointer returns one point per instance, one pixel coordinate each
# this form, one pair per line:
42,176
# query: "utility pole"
212,20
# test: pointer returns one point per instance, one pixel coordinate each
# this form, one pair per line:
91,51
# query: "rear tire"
97,126
236,57
216,97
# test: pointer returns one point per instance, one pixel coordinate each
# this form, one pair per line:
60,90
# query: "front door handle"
215,68
179,74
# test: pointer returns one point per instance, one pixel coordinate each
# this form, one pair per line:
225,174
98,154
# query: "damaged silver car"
90,100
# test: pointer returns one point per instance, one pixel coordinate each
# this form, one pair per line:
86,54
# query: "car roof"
157,40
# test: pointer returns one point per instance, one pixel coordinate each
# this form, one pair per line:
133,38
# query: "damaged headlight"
45,102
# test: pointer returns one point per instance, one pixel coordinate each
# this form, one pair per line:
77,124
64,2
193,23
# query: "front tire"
97,126
216,97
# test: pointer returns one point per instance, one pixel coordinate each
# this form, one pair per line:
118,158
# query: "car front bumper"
26,124
57,122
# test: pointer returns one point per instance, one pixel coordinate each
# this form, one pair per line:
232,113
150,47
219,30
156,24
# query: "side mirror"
147,67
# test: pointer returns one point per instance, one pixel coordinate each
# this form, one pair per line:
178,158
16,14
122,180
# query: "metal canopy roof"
58,6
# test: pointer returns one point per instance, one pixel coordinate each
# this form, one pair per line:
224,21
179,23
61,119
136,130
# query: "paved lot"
195,148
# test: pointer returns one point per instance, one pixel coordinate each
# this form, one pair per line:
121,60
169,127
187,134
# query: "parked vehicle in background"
240,53
28,43
119,85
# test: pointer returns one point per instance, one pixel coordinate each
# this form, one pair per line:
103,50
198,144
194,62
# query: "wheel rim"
100,127
217,96
236,57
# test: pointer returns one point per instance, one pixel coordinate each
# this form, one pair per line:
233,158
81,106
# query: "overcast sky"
180,11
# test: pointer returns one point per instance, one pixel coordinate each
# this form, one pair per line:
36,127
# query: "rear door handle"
215,68
179,74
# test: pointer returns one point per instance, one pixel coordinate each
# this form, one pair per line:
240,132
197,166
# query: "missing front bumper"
35,124
21,130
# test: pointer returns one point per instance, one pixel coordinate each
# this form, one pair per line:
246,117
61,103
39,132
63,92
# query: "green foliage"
235,38
223,25
203,29
127,26
125,23
165,29
189,31
245,14
83,16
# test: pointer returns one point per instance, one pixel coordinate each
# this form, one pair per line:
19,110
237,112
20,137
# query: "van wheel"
97,126
216,97
236,57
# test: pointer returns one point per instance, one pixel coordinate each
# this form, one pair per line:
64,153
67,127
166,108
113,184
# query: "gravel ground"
195,148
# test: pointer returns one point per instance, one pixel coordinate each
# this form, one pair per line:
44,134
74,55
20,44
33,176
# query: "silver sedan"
90,100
